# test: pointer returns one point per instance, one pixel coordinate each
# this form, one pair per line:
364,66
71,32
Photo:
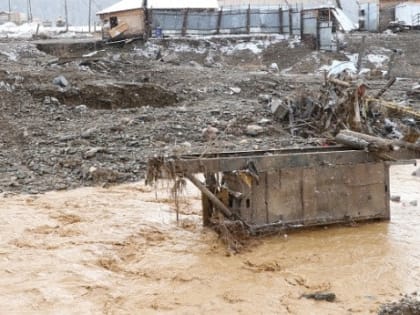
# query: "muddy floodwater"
120,250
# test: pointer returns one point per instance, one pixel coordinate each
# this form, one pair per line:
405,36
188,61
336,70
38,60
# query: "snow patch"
377,60
25,31
337,66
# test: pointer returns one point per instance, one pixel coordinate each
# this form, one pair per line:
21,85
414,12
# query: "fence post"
302,24
149,22
248,19
318,32
281,21
290,22
185,23
219,20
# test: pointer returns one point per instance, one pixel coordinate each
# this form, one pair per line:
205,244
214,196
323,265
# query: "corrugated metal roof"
182,4
126,5
123,5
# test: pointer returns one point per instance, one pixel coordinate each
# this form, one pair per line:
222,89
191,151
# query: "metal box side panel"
319,195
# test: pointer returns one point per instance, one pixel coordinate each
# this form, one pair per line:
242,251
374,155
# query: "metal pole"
10,10
90,13
29,11
67,15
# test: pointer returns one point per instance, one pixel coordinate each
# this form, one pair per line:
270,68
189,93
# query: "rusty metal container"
290,188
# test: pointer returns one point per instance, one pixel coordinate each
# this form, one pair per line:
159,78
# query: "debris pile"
343,102
408,305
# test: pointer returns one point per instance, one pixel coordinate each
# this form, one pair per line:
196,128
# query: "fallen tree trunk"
363,141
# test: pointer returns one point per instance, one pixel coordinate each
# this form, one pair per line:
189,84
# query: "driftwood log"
363,141
220,205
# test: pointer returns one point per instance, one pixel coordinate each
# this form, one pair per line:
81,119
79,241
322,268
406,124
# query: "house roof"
182,4
126,5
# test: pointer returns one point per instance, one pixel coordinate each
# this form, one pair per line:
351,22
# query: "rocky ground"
408,305
86,116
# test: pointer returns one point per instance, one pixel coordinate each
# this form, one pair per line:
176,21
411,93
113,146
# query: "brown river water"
119,250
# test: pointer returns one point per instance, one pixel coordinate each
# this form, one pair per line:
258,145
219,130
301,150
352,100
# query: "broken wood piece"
118,30
220,205
291,118
371,143
357,121
361,54
339,82
390,82
362,141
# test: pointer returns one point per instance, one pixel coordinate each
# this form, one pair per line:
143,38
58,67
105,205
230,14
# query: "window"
113,21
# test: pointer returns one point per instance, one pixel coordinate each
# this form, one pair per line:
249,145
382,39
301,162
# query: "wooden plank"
120,29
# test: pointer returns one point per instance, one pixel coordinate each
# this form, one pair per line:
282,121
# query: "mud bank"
109,95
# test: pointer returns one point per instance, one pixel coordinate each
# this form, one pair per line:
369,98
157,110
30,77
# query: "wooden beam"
219,20
220,205
363,141
185,22
248,19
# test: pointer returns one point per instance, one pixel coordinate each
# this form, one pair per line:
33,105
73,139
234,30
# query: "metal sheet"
313,196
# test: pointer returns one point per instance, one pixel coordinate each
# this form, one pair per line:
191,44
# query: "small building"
14,17
408,13
128,18
125,17
4,17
